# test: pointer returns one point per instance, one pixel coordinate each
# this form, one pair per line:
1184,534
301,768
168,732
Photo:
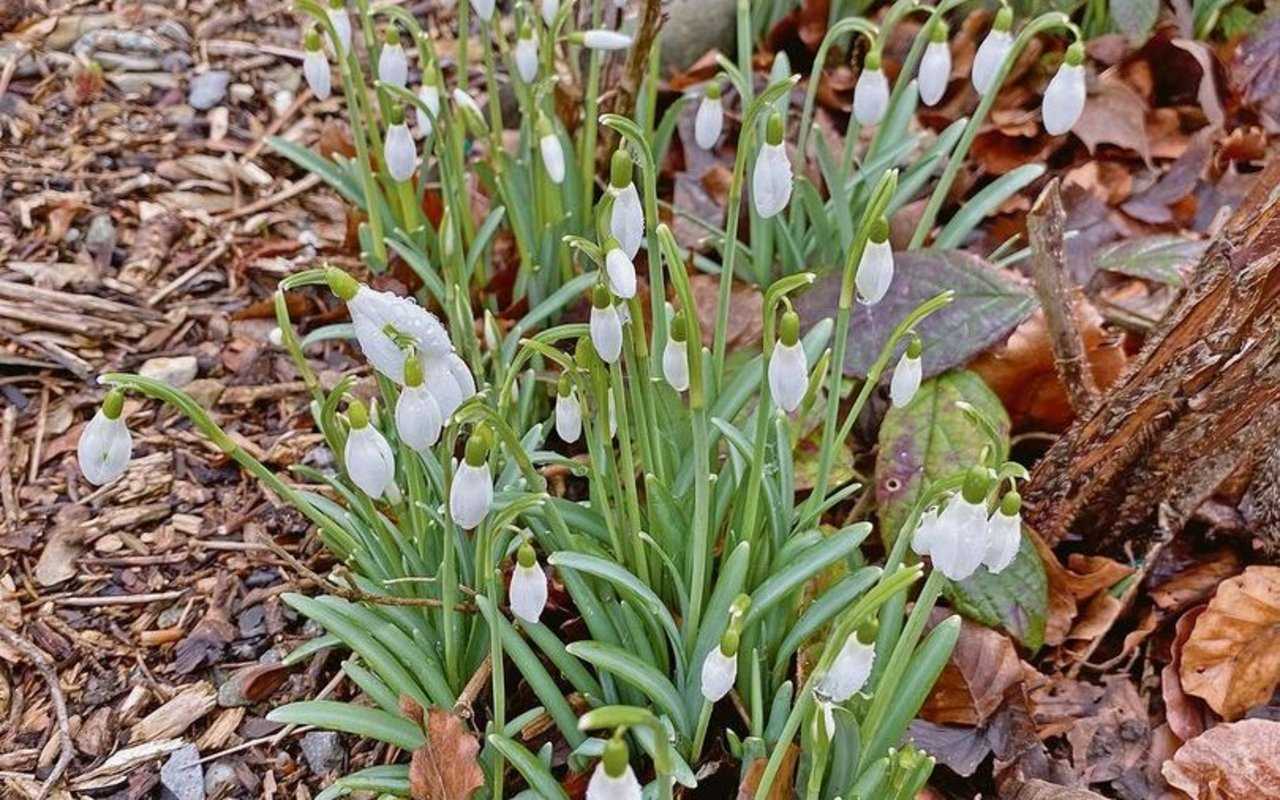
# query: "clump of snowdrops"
698,574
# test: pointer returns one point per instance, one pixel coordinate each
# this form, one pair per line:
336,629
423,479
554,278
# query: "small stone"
181,777
241,92
208,89
220,779
323,752
176,371
206,391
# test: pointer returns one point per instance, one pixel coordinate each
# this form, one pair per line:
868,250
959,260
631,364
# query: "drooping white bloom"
992,52
1064,98
1004,534
626,219
552,156
871,93
719,671
461,373
528,591
926,532
849,671
444,387
599,39
605,326
621,271
368,458
935,67
906,376
875,271
105,445
341,26
483,9
960,541
604,786
429,94
418,417
393,64
469,108
568,412
400,153
771,179
675,364
526,56
708,123
315,68
386,325
471,494
789,366
549,9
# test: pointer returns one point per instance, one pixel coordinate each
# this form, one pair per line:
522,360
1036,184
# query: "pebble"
323,752
181,777
220,779
176,371
208,89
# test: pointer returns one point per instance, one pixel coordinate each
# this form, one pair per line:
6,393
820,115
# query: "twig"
306,184
44,665
196,269
638,57
6,455
463,706
1046,223
119,600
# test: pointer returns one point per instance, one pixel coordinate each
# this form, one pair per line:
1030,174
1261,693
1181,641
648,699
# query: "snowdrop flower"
600,39
675,356
450,381
626,220
483,9
105,445
549,9
875,270
935,65
788,365
528,592
399,151
552,151
1064,99
906,375
621,270
568,412
771,180
708,123
429,94
315,66
605,326
871,93
825,712
367,456
393,64
959,541
341,26
1004,533
386,325
992,52
613,778
720,669
851,667
418,417
471,493
926,532
472,116
527,54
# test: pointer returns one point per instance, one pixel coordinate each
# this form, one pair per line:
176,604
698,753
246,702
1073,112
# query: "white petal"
675,364
935,72
104,449
369,461
771,180
393,65
342,25
373,313
603,787
605,40
905,381
418,418
1004,537
788,376
926,532
439,379
527,60
549,9
467,103
828,718
461,375
960,543
708,122
528,592
471,495
622,273
401,152
606,333
849,671
612,410
552,157
870,97
991,54
1064,99
875,273
315,68
430,95
483,8
719,671
626,223
568,417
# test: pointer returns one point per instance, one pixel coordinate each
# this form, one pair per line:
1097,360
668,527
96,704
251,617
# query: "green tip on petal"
740,605
1075,54
789,331
525,31
867,631
113,404
525,556
616,756
343,286
713,90
600,297
337,4
914,347
620,169
392,35
311,40
412,371
729,642
872,61
775,129
880,231
679,327
357,415
938,32
395,116
1004,19
1011,503
976,484
478,446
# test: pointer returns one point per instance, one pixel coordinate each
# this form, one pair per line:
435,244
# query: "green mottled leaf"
1016,600
988,304
1161,258
1135,18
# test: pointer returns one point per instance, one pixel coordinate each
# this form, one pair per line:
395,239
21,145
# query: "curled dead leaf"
982,667
1229,762
447,766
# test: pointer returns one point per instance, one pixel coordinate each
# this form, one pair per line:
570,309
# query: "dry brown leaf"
982,667
781,788
1232,659
1116,115
1087,576
1186,715
1233,761
446,767
745,309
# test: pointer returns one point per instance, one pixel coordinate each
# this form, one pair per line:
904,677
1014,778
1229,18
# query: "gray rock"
175,371
208,89
220,779
323,752
695,26
181,777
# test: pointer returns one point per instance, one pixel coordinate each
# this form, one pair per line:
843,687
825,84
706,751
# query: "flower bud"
483,9
471,493
906,375
605,326
552,155
526,55
871,93
472,116
708,123
992,52
926,532
549,9
315,67
675,356
393,64
720,669
599,39
105,445
1004,533
875,270
935,65
771,179
621,271
959,543
788,365
400,153
528,591
568,412
418,417
429,94
1065,96
626,220
368,458
341,23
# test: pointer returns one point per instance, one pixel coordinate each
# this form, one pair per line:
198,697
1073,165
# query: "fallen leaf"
1115,114
1166,258
1232,658
1207,93
1187,716
1233,761
782,779
1087,576
983,665
746,309
447,766
1257,71
1113,740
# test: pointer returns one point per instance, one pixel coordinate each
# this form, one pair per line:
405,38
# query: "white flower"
675,364
622,273
429,94
871,93
549,9
528,591
552,156
368,458
386,324
418,417
483,8
719,671
315,68
906,376
469,108
393,64
443,384
400,153
935,70
105,445
626,220
788,366
992,52
568,412
827,712
849,671
926,532
771,180
527,56
875,272
604,786
611,410
1004,534
606,333
708,123
471,494
604,40
1064,98
960,540
341,25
